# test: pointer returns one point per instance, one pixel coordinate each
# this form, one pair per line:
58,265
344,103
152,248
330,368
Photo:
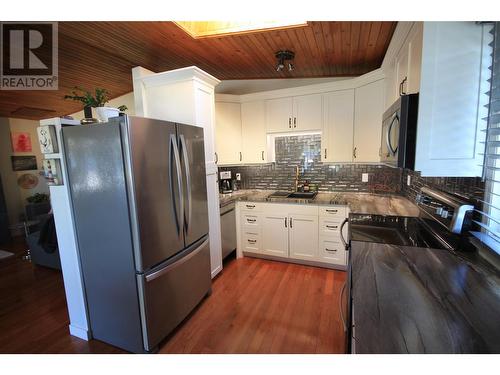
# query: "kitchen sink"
294,195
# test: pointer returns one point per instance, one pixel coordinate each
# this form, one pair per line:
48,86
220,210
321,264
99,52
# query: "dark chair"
44,254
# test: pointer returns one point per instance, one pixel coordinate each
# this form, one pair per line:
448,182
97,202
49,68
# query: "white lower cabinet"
275,234
303,237
300,232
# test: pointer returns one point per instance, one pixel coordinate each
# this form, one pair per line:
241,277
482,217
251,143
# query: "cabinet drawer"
251,206
333,211
251,242
332,250
250,220
330,226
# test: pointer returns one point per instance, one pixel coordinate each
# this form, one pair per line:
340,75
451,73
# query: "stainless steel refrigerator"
139,200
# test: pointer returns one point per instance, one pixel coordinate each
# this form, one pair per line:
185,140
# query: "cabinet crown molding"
351,83
151,79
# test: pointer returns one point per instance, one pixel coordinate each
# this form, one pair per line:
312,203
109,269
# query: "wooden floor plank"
256,306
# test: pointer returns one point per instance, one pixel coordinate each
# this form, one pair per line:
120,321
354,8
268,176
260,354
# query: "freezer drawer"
171,293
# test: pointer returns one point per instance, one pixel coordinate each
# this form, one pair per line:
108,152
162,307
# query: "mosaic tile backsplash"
304,151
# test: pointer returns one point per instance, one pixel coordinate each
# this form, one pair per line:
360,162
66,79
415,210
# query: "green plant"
38,198
98,99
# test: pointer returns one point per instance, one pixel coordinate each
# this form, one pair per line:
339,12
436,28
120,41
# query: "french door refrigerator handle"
175,149
188,181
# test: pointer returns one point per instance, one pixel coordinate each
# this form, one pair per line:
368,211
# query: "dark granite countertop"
363,203
418,300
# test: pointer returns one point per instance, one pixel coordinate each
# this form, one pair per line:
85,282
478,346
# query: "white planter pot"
103,114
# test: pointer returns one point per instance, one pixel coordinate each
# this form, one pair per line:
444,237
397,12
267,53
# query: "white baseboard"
81,333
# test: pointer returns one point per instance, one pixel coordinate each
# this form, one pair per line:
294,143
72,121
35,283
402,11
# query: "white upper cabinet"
279,115
307,112
228,133
253,131
299,113
338,126
403,71
368,110
453,86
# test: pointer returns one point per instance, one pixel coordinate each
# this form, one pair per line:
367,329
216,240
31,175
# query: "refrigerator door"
194,181
171,292
155,174
94,160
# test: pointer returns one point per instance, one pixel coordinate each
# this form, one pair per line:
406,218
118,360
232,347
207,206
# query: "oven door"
390,140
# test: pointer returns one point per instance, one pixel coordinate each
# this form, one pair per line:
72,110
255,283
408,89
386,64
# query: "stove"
444,223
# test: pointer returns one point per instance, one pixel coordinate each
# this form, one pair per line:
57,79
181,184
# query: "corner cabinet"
228,133
293,114
240,133
253,132
301,233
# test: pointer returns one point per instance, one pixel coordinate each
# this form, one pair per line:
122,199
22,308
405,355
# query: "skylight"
203,29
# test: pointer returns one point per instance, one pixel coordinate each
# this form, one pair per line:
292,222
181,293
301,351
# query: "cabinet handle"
403,92
325,153
252,241
216,158
262,155
241,157
251,220
290,122
295,122
285,223
330,210
250,205
291,226
354,152
332,226
331,250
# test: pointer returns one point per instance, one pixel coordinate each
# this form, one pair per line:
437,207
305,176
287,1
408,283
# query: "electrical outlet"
364,177
408,180
238,176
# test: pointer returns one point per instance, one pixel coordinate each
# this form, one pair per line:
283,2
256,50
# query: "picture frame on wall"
47,139
21,142
24,163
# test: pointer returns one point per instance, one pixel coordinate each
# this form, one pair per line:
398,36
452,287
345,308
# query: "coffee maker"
225,182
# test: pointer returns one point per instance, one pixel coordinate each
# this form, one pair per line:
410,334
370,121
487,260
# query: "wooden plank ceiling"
102,54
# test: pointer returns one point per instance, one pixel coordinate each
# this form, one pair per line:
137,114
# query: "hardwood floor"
260,306
256,306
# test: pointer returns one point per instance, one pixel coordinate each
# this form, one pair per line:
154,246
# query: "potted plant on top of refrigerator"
98,101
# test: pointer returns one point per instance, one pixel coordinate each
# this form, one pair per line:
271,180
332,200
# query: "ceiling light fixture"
282,57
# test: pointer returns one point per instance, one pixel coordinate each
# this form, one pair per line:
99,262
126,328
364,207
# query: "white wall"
15,196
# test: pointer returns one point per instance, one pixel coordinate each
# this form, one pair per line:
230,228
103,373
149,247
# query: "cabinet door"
228,133
415,58
369,104
253,130
279,115
338,126
307,112
402,70
303,235
275,234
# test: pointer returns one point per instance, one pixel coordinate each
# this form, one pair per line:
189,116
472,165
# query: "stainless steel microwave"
399,133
